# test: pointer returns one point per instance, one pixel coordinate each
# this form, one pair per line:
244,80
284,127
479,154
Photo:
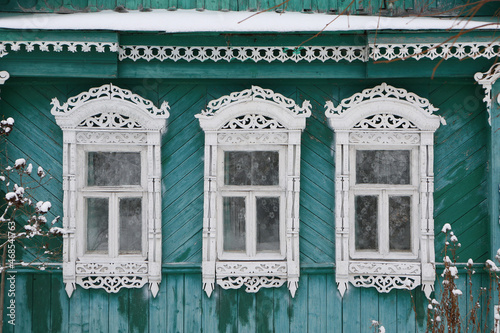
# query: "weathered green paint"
400,7
461,181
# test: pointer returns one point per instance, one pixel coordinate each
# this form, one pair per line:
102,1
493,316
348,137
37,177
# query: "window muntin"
112,168
113,197
252,203
384,199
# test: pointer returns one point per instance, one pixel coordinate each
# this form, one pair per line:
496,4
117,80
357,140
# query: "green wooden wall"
181,306
461,160
398,7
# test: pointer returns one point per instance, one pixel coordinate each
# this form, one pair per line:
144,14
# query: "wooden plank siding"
322,6
182,306
461,158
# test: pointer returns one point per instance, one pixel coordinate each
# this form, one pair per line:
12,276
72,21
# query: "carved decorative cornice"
108,92
253,94
349,53
381,91
56,46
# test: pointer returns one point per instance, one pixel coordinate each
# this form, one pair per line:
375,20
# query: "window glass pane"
251,168
114,168
265,168
97,224
268,224
366,208
234,223
400,223
238,166
130,225
383,166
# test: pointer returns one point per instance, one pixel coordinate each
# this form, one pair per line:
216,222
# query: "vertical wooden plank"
79,311
461,284
59,303
211,4
316,306
246,311
209,310
421,309
494,181
405,311
242,5
41,303
321,6
138,309
98,315
298,308
264,310
387,310
228,311
253,5
158,309
192,308
118,311
333,305
351,310
369,308
24,302
200,4
281,309
263,5
175,309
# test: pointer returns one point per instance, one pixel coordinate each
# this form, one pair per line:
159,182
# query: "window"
252,184
251,191
112,197
112,190
384,189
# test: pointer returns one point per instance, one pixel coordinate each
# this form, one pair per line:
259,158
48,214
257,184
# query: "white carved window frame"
385,117
110,119
254,119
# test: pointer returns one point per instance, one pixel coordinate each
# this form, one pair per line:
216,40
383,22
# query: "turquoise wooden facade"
466,171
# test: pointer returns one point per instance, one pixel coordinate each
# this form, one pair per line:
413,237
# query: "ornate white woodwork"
243,53
350,53
113,119
486,80
56,46
384,117
417,51
252,119
4,76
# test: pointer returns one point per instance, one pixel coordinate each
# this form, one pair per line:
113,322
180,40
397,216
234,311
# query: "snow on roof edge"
215,21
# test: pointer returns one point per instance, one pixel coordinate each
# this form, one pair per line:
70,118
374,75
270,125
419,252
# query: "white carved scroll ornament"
114,117
56,46
486,80
384,115
252,94
350,53
250,118
252,275
4,76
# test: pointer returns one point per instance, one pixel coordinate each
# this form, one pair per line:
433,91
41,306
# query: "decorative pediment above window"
112,189
384,189
255,108
252,184
109,106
